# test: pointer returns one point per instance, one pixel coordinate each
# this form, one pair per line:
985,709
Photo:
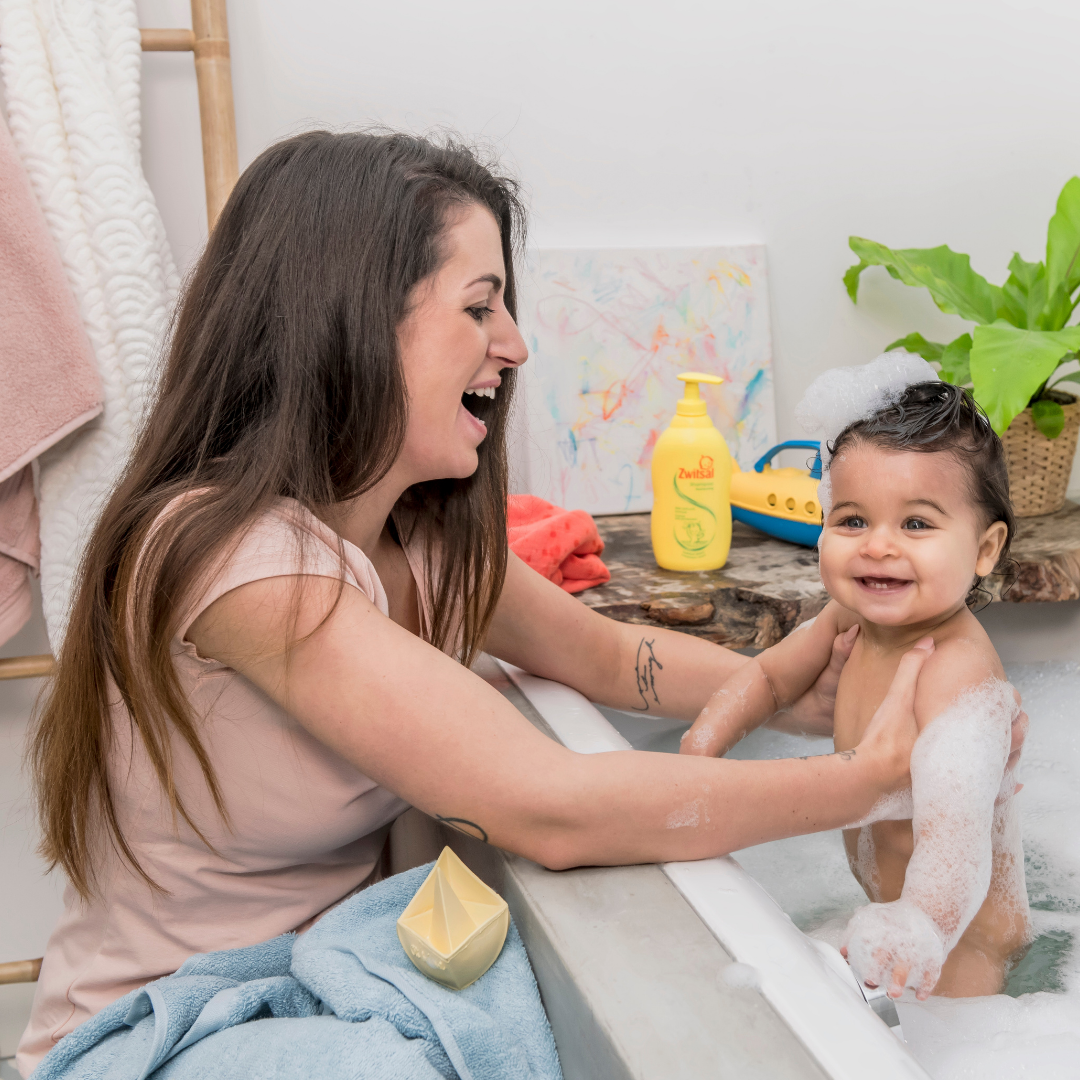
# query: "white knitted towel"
71,76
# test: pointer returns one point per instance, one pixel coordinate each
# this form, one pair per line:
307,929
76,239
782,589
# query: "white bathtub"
820,1005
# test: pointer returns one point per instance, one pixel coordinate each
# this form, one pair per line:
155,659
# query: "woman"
268,656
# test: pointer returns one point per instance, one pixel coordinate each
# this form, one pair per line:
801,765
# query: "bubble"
956,769
1025,1031
841,396
741,977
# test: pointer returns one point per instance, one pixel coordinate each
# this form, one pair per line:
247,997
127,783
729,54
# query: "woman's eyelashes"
480,312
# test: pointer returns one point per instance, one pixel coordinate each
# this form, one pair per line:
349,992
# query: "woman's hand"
891,734
894,722
813,713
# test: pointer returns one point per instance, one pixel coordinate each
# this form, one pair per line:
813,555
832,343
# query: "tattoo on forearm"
645,668
845,755
469,828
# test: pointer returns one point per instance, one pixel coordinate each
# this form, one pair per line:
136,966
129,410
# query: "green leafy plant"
1014,355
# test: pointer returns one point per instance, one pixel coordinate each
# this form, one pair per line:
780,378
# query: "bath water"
1033,1028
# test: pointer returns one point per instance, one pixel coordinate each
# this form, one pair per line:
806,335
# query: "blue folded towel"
341,1001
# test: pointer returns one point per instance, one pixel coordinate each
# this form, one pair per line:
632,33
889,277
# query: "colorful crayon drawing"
608,331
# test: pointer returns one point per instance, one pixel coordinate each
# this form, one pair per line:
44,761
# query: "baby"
917,512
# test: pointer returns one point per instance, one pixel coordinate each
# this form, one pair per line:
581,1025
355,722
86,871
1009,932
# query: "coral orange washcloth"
563,545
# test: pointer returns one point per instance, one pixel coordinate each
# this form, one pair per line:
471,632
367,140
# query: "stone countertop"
768,587
1046,550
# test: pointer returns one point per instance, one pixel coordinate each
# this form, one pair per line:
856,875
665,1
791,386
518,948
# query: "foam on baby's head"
898,403
840,397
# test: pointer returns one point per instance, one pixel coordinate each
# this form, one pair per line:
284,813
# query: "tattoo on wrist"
645,667
468,828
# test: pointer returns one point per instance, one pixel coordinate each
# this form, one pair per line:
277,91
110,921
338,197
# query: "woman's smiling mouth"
478,404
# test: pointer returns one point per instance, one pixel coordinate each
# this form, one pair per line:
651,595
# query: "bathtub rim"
837,1029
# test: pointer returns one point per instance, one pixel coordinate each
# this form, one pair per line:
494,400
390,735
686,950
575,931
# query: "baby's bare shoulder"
963,659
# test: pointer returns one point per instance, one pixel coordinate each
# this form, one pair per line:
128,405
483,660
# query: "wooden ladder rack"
209,41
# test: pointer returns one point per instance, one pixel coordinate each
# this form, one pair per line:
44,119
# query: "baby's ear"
991,544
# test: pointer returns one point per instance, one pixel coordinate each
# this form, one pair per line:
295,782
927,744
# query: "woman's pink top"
307,828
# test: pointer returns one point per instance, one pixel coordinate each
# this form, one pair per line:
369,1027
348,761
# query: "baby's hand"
895,945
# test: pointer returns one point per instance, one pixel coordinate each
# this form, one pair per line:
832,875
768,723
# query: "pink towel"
49,383
563,545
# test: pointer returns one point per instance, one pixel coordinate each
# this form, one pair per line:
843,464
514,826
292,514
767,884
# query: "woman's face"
455,342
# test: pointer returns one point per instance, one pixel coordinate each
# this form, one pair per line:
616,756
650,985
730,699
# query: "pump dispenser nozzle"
691,404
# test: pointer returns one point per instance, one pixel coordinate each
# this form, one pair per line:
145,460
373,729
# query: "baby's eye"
917,524
854,522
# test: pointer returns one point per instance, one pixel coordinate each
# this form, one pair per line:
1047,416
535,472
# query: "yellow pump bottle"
691,478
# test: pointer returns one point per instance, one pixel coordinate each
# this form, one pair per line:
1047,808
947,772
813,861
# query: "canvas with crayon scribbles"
608,332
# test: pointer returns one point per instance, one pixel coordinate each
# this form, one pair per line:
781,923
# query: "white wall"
688,122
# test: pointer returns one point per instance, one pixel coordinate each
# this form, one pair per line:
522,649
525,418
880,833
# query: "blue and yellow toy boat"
780,502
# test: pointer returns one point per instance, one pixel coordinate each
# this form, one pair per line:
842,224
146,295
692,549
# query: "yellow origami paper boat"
454,927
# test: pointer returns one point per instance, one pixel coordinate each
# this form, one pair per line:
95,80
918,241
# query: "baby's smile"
884,585
901,542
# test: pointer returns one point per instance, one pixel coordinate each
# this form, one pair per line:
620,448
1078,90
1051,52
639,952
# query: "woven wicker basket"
1039,467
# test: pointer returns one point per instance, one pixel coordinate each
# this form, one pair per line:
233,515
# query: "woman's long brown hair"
282,380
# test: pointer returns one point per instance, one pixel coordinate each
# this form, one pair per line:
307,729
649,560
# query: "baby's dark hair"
930,417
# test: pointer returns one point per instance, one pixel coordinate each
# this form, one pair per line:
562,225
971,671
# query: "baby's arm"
771,681
956,775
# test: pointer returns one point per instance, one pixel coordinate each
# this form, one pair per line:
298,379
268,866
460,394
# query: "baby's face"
903,540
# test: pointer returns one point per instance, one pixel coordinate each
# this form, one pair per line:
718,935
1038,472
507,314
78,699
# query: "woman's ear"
990,545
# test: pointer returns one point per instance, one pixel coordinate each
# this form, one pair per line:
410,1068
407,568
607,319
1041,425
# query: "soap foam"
1037,1035
898,933
841,396
687,816
896,806
741,977
956,769
865,868
723,702
989,1038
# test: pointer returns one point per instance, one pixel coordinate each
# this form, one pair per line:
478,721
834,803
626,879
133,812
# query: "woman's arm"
542,628
656,672
437,735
